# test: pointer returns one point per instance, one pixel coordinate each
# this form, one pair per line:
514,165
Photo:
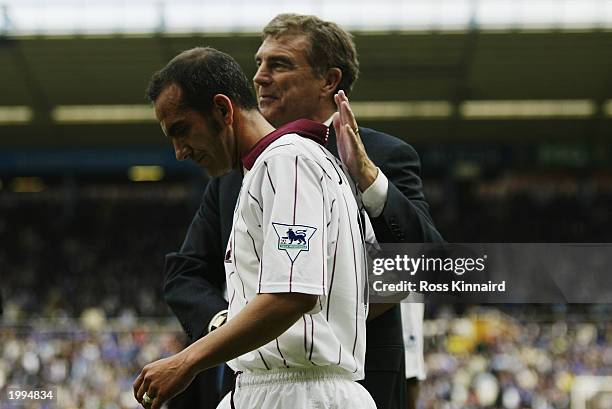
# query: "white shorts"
316,388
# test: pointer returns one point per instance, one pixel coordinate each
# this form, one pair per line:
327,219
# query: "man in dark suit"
302,62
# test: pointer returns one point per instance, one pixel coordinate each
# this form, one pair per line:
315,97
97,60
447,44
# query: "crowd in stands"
510,359
481,358
105,255
62,257
87,364
83,306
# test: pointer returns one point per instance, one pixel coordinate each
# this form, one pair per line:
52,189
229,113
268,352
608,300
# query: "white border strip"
102,113
15,115
401,109
528,109
365,110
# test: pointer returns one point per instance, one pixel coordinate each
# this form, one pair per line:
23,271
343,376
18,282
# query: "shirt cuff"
375,196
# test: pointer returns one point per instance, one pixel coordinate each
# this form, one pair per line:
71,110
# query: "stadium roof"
88,91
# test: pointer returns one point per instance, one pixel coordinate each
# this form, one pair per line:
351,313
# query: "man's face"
287,87
193,136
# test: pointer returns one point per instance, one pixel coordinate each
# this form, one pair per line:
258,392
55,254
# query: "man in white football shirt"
295,261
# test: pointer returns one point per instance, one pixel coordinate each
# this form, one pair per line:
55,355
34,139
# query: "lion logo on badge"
293,239
298,235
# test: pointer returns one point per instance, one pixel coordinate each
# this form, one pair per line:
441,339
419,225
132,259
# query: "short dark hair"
202,73
330,45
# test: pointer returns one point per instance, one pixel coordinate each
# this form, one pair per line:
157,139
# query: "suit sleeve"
405,217
194,276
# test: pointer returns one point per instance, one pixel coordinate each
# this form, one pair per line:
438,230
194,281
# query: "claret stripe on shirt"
256,201
312,338
234,258
263,360
331,281
254,248
281,354
295,189
269,178
356,281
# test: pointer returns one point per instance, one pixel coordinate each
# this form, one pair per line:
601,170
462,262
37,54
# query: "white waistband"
291,375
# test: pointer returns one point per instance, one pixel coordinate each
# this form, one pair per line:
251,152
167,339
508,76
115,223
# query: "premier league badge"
293,239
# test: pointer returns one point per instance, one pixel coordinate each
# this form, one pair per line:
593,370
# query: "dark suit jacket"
195,275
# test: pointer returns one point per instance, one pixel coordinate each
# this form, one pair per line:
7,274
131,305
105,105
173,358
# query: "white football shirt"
298,228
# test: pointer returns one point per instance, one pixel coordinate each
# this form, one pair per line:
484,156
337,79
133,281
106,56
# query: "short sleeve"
294,226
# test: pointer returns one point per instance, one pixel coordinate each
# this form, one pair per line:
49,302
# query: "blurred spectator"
488,358
109,255
90,369
77,279
484,358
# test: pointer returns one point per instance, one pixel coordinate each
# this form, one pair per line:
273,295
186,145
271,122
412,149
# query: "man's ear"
332,80
223,108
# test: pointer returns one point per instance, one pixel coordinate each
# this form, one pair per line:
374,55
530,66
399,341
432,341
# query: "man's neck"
324,114
251,127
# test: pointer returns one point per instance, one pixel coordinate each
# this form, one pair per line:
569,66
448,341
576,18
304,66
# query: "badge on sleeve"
293,238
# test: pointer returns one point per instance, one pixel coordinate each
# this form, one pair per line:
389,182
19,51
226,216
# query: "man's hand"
162,380
264,318
350,147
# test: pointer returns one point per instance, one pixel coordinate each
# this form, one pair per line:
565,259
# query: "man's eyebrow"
276,58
